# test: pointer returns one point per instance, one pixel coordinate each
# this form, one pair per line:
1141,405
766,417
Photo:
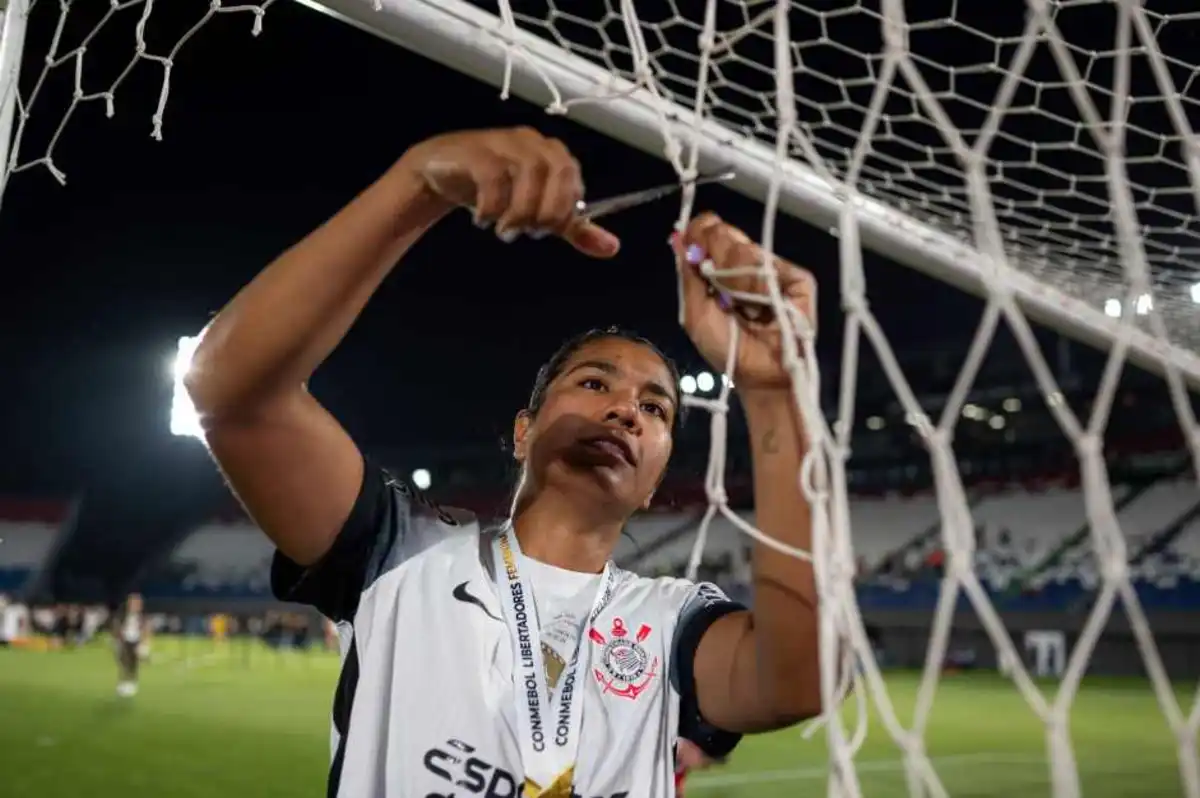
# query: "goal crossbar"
472,41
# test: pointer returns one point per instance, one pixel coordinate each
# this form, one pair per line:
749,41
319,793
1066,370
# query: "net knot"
1088,446
855,302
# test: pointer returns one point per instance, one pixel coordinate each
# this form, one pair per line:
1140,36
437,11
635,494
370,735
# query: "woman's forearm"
278,329
785,596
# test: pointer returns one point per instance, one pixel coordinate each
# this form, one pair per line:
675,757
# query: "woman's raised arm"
291,464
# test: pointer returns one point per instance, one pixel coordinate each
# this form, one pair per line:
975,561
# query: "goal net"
1040,155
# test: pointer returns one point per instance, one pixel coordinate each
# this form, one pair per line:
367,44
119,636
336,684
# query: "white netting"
1053,149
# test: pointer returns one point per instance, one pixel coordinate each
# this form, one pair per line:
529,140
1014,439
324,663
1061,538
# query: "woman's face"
605,424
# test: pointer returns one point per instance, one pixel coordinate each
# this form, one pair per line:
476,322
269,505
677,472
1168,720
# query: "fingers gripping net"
1017,160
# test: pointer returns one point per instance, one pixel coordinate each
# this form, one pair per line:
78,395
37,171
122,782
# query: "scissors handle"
590,211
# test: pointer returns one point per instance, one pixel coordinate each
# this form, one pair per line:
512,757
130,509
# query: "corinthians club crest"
625,668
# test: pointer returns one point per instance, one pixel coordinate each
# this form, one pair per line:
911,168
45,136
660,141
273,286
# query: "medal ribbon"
549,728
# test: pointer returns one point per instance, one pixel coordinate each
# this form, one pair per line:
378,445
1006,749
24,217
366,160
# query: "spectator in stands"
593,443
936,562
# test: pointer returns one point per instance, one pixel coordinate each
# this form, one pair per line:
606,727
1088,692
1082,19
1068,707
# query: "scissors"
589,211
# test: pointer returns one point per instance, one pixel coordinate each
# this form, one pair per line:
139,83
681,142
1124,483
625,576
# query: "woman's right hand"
516,179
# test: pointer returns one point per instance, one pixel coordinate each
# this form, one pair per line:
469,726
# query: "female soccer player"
514,660
129,630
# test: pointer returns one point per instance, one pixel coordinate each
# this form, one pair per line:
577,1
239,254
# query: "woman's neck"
550,530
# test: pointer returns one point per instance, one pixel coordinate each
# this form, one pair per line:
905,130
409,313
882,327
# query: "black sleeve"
700,612
378,520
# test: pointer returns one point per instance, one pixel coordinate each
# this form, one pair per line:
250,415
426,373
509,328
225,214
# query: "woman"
130,632
520,659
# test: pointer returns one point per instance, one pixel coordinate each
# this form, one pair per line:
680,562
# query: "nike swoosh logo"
460,593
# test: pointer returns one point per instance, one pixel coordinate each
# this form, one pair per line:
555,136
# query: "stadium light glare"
1194,291
875,423
973,412
687,383
996,422
1012,405
185,422
185,349
422,479
1144,304
705,381
1112,308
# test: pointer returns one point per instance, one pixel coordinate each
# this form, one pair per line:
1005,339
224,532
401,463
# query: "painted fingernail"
724,301
695,254
538,234
508,236
482,224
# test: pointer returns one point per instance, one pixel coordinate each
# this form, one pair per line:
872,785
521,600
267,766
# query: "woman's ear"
521,425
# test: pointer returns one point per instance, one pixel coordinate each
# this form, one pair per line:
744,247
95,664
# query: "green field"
249,722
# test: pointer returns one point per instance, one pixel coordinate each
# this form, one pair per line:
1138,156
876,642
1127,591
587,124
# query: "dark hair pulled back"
553,367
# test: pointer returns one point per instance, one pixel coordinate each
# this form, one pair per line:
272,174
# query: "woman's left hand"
707,310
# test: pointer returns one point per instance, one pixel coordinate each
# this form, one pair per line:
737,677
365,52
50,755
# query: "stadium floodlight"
876,121
1144,304
997,421
687,384
1011,405
705,382
875,423
422,478
185,422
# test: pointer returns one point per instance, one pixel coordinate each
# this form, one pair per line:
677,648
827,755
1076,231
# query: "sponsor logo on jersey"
461,594
467,773
626,669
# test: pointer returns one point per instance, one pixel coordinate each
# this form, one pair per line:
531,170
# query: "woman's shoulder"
672,593
437,527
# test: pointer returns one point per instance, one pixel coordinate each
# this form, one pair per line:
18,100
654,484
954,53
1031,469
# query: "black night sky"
264,138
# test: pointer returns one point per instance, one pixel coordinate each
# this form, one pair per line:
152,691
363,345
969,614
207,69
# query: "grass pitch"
240,720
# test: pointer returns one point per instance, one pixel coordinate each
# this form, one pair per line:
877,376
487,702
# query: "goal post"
14,14
470,40
1107,253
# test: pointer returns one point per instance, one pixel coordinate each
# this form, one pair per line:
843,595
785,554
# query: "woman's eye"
592,384
655,409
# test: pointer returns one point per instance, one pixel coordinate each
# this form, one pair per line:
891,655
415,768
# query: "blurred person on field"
129,629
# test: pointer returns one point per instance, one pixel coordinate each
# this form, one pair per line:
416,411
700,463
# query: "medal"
548,727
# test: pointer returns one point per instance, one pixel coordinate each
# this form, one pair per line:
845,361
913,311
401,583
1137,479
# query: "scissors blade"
594,210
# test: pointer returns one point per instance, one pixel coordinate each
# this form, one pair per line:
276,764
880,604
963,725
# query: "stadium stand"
28,531
223,559
898,568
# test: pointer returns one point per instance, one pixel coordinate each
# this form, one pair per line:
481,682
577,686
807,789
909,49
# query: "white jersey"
131,627
426,704
14,618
